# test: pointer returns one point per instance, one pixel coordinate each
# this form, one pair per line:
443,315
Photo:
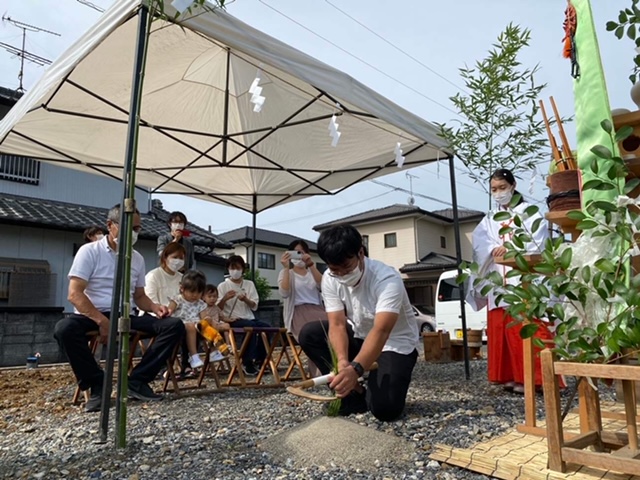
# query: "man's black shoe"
95,399
143,392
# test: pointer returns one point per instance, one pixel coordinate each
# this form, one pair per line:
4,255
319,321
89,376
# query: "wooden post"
589,411
529,382
555,438
628,389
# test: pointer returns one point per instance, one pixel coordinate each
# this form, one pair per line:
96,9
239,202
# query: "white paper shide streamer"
334,133
399,156
256,95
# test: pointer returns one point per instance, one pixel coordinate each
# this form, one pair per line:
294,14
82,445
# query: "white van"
448,316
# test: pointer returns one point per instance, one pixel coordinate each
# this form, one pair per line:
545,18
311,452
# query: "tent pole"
120,302
254,214
225,120
456,233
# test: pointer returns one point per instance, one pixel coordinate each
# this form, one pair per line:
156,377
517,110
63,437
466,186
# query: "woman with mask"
238,300
178,234
299,285
504,344
163,283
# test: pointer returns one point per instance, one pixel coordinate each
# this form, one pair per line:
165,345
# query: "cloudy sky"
418,43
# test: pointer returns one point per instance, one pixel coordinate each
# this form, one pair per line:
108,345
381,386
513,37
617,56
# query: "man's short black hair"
236,260
194,281
177,217
338,244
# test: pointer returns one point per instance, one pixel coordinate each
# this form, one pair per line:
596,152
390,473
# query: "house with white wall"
269,248
44,208
419,243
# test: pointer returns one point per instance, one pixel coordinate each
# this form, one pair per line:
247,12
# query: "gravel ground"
219,436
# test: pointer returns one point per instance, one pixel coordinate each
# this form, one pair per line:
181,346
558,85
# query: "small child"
216,319
187,306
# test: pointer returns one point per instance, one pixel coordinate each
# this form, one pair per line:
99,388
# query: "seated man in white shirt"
381,327
91,291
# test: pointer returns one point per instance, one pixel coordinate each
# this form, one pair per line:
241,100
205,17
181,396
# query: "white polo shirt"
95,263
380,290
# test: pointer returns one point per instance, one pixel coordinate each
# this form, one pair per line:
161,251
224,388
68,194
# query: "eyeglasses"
342,270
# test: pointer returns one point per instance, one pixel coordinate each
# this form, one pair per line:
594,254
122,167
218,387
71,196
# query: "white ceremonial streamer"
399,157
256,98
334,133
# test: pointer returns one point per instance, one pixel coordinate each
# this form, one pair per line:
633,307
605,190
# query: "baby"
216,319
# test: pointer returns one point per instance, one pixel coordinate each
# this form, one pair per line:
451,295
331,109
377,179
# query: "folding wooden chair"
93,338
272,338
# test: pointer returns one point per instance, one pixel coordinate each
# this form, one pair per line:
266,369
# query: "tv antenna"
411,200
21,52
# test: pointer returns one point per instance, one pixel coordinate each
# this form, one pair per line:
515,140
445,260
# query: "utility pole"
22,52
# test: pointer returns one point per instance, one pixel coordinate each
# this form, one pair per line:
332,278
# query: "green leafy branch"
628,20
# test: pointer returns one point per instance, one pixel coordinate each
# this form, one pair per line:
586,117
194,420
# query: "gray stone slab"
327,441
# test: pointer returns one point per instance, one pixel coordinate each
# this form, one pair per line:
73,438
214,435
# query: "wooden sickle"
300,389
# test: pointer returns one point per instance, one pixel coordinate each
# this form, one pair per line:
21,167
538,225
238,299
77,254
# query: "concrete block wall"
25,331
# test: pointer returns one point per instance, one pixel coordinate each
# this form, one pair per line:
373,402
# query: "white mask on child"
235,274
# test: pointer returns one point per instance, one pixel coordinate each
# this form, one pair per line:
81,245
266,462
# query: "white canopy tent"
199,135
198,132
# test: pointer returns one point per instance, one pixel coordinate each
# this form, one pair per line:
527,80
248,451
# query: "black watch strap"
358,368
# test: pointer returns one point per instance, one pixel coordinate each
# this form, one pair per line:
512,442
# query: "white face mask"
177,226
351,279
299,263
235,274
503,198
175,264
134,238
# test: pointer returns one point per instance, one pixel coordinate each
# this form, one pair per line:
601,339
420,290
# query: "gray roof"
431,261
37,212
264,237
400,210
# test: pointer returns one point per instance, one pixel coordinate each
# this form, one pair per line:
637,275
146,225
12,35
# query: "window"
267,261
365,242
443,242
390,240
19,169
449,290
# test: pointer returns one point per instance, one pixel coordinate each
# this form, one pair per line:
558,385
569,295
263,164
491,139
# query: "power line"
396,47
382,72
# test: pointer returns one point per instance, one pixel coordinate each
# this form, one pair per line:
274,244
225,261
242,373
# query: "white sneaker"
195,361
216,356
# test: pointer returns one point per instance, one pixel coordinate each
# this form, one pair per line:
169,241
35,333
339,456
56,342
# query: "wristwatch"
358,368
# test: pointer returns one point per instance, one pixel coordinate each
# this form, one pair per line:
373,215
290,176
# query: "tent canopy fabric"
199,133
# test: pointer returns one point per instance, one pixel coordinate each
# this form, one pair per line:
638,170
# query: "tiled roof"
264,237
9,97
400,210
463,214
431,261
37,212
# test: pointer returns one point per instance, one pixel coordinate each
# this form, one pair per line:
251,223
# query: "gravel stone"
230,435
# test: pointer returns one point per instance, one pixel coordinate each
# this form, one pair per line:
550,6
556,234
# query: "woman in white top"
299,285
163,283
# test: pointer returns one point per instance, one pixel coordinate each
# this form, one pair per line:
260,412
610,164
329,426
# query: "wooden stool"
291,351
